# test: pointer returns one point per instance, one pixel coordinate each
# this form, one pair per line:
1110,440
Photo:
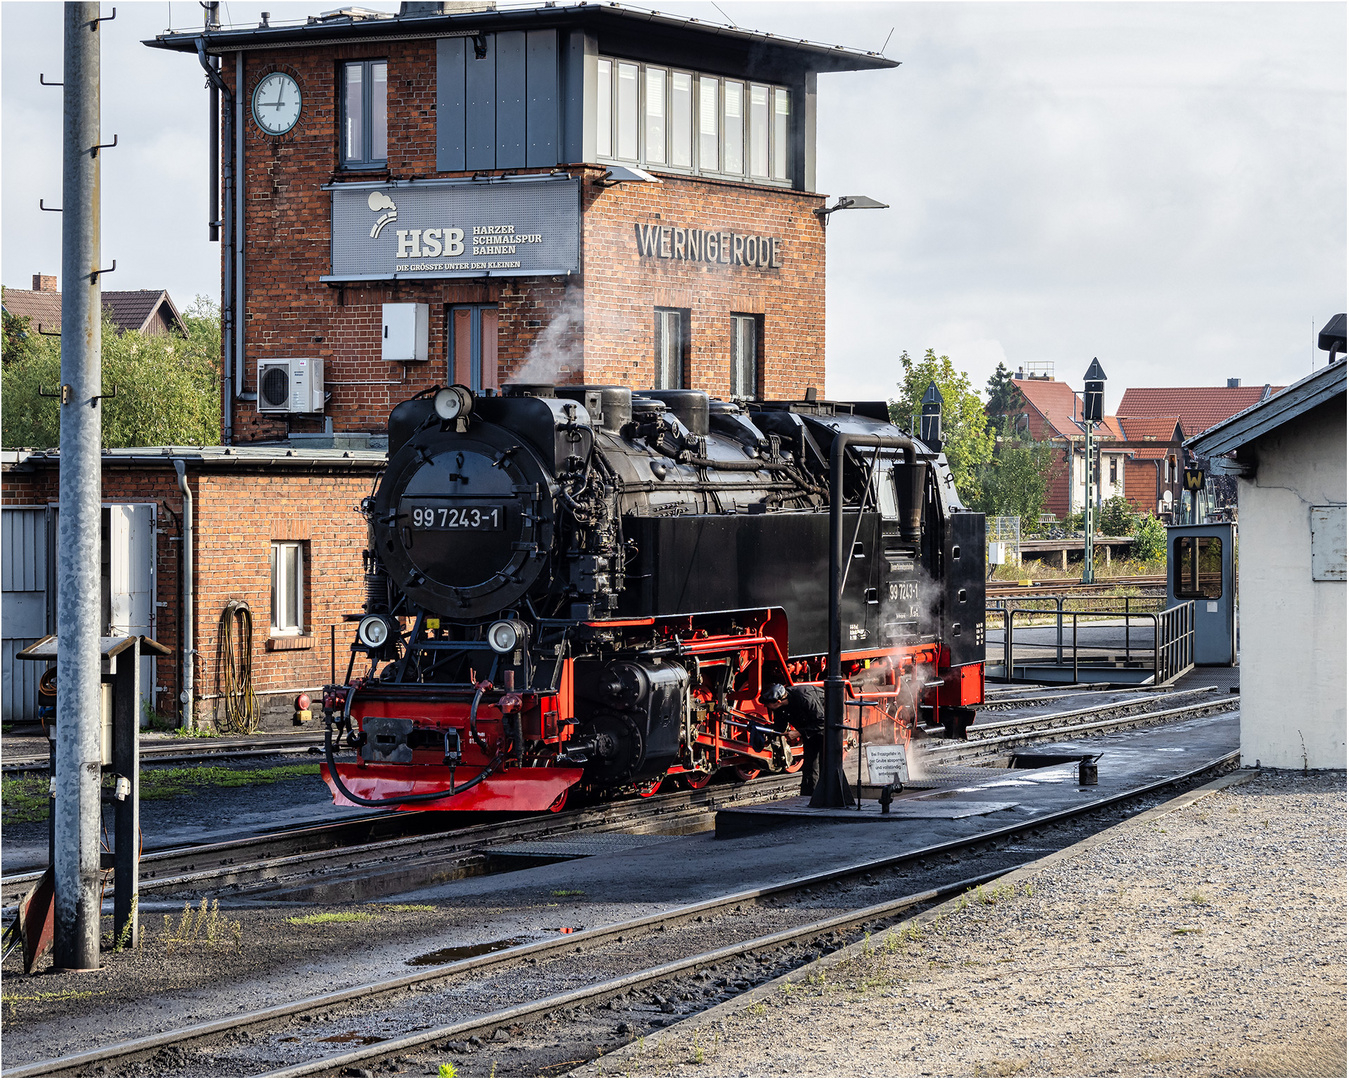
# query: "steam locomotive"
584,589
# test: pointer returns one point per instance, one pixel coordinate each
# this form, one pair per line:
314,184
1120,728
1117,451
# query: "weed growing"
567,892
330,917
12,1001
203,926
447,1069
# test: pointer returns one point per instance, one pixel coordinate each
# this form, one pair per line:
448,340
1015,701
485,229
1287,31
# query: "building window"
1198,562
672,344
1114,470
473,346
690,121
287,587
365,113
745,338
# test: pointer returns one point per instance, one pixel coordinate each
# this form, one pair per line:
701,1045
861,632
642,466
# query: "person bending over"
801,707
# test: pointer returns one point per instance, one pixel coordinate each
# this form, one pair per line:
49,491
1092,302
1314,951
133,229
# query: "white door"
23,607
131,583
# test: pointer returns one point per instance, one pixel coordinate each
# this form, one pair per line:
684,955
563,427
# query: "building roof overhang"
1272,413
625,31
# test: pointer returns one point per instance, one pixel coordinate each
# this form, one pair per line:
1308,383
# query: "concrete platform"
1128,759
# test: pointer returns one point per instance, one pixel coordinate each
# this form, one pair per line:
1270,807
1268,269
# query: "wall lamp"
619,174
849,202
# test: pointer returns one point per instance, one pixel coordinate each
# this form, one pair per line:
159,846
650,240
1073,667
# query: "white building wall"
1292,628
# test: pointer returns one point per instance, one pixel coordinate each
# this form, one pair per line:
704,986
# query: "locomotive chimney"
912,477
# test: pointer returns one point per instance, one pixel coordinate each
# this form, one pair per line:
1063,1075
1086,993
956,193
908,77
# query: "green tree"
1150,540
1016,478
1003,396
168,386
1116,517
968,442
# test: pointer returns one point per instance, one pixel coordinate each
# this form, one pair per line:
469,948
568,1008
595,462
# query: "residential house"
148,311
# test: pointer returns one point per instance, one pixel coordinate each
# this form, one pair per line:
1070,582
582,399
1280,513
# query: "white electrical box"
997,552
292,385
405,334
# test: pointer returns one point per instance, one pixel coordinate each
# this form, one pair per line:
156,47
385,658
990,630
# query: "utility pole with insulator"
78,612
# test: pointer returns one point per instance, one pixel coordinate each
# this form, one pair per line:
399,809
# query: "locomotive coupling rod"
832,789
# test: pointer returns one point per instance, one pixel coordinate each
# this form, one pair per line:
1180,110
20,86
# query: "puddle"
464,952
353,1037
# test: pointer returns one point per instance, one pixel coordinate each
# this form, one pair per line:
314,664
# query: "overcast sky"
1161,185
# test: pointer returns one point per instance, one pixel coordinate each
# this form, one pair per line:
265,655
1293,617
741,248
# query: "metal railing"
1167,652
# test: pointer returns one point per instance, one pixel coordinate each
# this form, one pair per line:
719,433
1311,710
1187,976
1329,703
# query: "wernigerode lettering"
703,245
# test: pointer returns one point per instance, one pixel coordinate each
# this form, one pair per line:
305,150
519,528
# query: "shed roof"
633,32
1165,431
1265,416
1199,407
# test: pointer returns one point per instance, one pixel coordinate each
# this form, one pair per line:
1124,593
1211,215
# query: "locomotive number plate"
457,518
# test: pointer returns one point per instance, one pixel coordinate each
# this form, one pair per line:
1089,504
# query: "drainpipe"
229,314
186,638
238,290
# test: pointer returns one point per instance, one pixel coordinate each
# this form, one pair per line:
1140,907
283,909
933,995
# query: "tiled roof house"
149,311
1051,408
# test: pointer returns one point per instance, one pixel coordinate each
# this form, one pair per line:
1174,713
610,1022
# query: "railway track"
1058,586
197,750
385,851
657,968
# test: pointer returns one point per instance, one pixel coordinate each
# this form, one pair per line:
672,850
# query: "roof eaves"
1265,416
465,24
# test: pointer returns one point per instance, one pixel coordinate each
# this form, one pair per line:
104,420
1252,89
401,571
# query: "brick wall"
602,321
236,516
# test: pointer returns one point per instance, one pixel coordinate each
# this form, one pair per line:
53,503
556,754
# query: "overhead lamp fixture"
849,202
621,174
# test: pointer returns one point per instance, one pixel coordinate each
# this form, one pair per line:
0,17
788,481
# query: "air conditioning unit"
290,386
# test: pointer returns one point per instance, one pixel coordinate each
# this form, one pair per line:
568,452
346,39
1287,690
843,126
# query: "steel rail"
983,747
570,942
175,754
265,859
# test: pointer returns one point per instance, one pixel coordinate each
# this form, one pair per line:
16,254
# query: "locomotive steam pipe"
832,790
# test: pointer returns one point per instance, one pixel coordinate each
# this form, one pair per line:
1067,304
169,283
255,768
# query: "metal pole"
832,789
1088,520
78,666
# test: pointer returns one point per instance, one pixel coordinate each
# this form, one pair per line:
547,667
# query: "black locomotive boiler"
584,587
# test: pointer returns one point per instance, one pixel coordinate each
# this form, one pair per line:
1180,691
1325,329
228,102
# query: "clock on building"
276,103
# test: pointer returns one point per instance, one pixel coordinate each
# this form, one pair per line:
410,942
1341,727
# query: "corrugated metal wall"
23,607
501,110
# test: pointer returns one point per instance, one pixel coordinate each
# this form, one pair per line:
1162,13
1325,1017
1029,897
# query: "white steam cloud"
557,351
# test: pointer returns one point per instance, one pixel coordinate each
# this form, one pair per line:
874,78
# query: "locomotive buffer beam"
832,791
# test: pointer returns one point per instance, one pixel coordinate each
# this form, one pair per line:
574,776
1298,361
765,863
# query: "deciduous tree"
968,442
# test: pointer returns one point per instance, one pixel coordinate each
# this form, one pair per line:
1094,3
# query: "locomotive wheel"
796,764
559,802
650,787
744,774
696,780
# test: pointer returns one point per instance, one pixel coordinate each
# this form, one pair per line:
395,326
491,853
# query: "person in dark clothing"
801,707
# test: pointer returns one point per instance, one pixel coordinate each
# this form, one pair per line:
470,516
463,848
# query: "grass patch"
408,907
25,798
567,892
12,1001
1197,897
330,917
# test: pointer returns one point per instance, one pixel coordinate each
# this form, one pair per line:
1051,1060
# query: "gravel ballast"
1207,938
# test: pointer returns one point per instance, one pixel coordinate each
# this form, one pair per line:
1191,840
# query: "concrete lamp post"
1093,412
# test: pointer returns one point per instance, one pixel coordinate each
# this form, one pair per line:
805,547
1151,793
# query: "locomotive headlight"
453,402
506,635
373,631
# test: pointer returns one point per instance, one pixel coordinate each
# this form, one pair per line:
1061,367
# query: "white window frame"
613,142
672,348
745,330
287,586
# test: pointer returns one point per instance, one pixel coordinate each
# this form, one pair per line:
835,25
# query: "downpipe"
186,637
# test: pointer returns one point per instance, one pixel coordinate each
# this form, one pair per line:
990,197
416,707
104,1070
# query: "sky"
1160,185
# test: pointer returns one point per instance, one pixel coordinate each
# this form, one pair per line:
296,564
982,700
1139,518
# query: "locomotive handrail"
830,790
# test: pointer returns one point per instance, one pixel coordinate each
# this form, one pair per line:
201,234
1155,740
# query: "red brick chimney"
44,282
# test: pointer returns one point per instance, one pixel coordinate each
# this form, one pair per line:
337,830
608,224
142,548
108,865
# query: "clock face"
276,103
